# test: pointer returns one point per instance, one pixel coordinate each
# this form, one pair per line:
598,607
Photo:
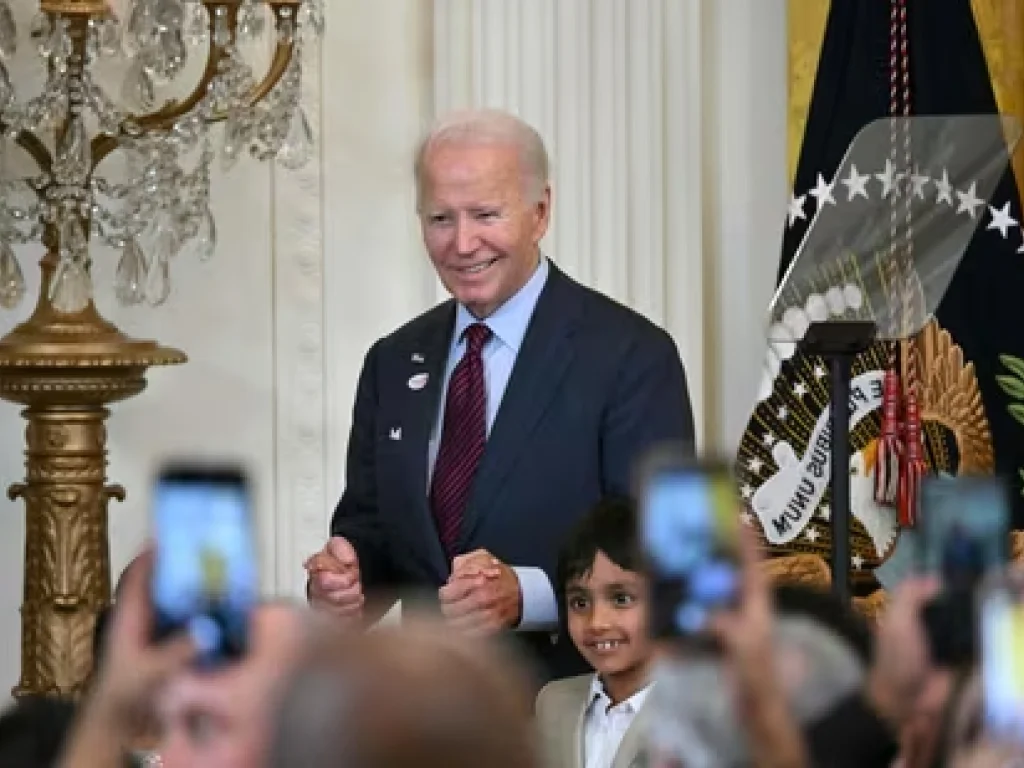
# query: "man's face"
480,229
607,614
202,727
222,719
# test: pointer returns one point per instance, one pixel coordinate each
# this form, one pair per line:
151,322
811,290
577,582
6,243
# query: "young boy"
596,721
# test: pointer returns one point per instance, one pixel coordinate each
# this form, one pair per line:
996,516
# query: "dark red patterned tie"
462,439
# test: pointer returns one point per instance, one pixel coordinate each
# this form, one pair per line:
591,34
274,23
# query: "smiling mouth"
607,646
476,269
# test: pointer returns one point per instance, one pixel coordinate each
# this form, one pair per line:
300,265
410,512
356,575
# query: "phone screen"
690,528
965,521
205,578
1002,667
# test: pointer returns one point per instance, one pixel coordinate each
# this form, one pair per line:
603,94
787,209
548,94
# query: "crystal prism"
298,145
250,20
12,281
92,43
141,27
110,36
72,239
74,156
71,289
8,31
130,277
41,32
169,55
312,17
61,44
233,138
196,29
158,281
205,242
169,14
166,241
138,90
6,89
221,30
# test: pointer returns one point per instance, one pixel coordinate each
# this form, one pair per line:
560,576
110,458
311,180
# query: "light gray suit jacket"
561,708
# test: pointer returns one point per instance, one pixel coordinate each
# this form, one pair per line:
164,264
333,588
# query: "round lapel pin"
419,381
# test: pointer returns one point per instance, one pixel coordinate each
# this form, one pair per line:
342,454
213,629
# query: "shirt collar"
509,321
632,705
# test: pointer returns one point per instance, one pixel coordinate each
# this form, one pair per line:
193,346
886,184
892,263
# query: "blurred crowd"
790,677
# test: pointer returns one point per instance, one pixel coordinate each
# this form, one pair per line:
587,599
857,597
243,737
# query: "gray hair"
489,126
694,716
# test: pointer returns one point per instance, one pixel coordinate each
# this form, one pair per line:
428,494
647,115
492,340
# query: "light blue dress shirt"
508,326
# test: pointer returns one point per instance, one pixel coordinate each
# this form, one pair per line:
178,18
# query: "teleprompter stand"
839,342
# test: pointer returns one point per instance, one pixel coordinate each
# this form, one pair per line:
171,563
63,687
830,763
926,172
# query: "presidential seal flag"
949,400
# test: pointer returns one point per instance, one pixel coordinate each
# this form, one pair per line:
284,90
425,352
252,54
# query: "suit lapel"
543,359
576,701
633,742
426,354
576,731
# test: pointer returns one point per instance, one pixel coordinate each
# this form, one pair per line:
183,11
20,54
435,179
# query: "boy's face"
607,615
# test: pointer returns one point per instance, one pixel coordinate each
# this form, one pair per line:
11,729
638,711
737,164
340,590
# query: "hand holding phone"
965,527
205,580
690,527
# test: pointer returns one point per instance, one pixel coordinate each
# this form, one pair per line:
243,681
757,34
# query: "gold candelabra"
66,363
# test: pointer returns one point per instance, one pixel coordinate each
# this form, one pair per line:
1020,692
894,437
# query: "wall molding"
614,87
298,342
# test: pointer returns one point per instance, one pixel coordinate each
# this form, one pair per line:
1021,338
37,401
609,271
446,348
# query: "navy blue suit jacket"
593,386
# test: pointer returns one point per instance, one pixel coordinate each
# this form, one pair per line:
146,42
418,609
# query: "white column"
614,87
746,191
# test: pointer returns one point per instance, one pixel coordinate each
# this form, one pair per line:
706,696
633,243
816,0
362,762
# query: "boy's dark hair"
33,731
610,527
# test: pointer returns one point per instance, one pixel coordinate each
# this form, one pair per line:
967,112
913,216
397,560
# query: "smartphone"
690,537
1001,628
964,536
205,578
965,526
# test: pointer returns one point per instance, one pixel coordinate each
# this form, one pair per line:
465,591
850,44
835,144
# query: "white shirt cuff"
540,611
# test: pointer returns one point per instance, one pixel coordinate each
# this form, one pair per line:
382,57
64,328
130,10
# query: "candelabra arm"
278,66
165,117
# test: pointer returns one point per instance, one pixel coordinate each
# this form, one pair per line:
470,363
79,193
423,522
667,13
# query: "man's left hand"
482,596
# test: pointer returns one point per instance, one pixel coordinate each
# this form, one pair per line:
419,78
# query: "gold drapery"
1000,25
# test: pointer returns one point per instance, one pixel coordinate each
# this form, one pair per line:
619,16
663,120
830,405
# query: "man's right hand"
335,585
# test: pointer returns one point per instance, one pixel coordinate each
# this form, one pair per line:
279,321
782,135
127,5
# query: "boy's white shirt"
605,724
575,736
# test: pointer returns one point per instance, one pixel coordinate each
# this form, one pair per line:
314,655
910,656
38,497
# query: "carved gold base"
66,369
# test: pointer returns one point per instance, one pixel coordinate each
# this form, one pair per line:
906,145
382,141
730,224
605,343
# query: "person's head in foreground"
415,696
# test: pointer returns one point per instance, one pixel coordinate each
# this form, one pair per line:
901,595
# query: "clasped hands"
482,595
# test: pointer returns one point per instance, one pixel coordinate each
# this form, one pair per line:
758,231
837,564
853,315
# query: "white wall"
745,194
313,266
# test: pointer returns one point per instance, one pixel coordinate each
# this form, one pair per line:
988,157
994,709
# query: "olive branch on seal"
1013,385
